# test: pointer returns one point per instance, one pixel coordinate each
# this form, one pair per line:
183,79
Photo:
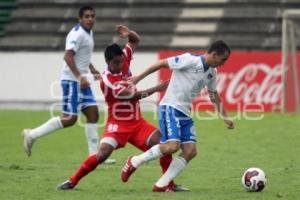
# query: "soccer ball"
254,179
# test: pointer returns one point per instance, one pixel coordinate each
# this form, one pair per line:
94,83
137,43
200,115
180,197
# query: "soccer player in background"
125,122
77,93
191,73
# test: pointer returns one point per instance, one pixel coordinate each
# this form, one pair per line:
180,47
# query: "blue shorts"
175,125
75,98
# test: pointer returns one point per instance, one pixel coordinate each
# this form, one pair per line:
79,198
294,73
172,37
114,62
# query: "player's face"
218,60
87,20
115,65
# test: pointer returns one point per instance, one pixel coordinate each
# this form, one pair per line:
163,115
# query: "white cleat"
27,142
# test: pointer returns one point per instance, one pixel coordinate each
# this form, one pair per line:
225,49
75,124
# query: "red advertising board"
247,81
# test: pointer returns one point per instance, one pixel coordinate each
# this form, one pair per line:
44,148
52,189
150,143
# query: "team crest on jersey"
209,76
176,59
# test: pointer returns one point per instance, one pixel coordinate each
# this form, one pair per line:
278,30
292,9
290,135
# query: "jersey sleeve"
182,61
73,41
128,53
212,84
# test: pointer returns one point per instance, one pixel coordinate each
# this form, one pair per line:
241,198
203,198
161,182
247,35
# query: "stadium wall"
249,81
30,80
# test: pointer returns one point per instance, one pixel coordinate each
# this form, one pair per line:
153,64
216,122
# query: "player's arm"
215,98
94,71
133,37
69,58
153,68
130,94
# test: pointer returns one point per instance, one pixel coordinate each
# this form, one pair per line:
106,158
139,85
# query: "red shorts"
136,134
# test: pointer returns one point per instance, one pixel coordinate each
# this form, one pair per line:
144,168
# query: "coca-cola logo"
254,83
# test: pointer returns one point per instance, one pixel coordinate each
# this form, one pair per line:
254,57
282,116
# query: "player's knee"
93,118
91,114
173,147
155,138
103,153
69,120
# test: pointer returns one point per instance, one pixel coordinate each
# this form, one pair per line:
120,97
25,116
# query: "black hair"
83,9
112,51
219,46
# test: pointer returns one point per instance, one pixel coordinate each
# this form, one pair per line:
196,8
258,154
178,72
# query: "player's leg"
170,138
90,110
152,138
165,162
188,146
147,137
177,165
114,137
91,128
106,147
68,117
143,136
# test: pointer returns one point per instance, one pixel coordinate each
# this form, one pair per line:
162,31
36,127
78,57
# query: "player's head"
217,53
114,58
87,17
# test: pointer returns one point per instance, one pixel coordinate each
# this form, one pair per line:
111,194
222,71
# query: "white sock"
51,125
151,154
92,137
176,166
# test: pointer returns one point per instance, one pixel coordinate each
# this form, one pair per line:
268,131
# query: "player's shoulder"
190,58
110,79
76,31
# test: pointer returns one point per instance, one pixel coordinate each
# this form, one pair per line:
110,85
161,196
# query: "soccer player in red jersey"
125,122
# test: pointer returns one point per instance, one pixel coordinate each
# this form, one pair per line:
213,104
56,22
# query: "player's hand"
96,74
133,80
97,77
229,122
84,83
123,31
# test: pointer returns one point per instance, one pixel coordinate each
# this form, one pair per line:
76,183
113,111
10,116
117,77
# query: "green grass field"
272,144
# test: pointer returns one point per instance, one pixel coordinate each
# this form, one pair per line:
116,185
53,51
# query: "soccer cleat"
109,161
67,185
27,142
127,170
161,189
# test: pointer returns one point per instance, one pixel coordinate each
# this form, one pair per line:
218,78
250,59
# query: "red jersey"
120,110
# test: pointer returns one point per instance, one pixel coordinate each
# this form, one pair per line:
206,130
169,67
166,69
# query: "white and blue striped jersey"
190,75
82,43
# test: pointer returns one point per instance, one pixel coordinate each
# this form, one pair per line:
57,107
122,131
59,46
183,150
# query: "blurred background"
32,41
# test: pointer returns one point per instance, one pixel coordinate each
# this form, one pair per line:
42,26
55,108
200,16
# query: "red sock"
86,167
165,161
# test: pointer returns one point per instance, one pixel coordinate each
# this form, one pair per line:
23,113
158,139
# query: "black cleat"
67,185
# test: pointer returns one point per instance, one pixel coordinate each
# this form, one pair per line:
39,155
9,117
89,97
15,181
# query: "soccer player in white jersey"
191,73
77,93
